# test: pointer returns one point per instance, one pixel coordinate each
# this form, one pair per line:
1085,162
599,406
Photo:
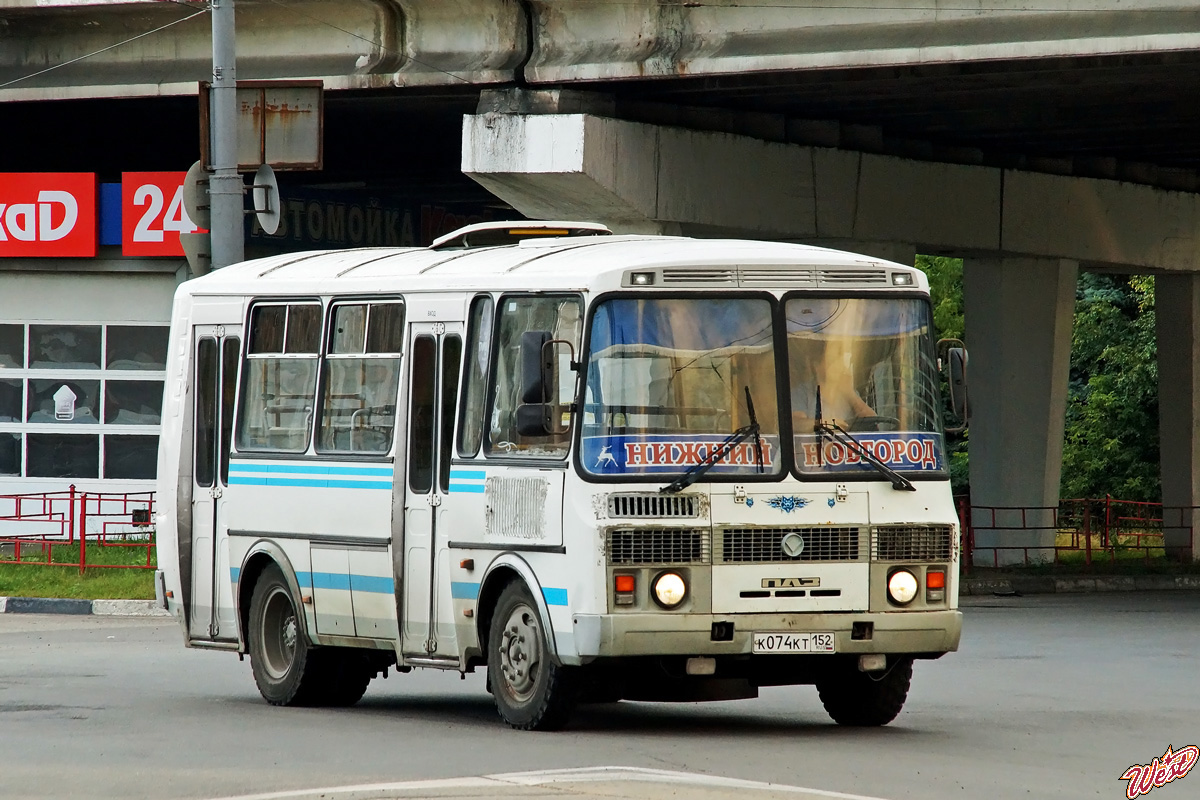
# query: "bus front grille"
760,545
912,542
634,546
651,506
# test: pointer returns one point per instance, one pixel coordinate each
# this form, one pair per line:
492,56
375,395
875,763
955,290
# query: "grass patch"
36,580
1099,567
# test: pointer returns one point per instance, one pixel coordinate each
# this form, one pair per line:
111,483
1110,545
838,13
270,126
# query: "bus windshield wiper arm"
758,451
839,434
715,454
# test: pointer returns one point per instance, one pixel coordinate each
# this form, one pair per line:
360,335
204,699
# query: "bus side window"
280,377
359,378
479,355
560,315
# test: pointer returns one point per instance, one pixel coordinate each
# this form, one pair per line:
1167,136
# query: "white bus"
598,466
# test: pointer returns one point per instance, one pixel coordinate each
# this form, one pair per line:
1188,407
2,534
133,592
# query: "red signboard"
48,214
152,214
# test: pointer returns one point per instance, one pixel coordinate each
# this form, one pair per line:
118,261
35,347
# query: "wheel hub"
520,651
280,634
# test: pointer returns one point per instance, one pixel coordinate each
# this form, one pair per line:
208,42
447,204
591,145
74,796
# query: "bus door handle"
434,499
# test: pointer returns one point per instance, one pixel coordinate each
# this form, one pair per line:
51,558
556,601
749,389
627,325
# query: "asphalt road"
1049,697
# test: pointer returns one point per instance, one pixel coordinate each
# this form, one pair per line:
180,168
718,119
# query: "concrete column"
1177,306
1018,329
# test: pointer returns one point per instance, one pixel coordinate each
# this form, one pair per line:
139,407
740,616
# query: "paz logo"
1170,765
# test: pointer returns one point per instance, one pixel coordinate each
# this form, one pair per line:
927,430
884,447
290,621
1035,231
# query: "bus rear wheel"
348,672
532,693
864,699
285,667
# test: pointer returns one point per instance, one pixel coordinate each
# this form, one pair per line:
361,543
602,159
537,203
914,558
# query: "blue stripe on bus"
330,580
466,488
311,469
342,581
372,583
464,591
234,573
315,483
468,474
555,597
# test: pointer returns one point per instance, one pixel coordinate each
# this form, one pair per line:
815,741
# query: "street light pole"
225,184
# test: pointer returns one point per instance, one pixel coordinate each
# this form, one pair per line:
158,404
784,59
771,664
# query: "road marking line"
552,776
597,774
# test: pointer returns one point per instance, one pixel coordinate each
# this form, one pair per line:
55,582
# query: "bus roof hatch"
496,233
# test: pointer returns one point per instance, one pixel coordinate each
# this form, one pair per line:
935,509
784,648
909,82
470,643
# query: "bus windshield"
872,361
668,381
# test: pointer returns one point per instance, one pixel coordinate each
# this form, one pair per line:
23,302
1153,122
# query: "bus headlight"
669,589
902,587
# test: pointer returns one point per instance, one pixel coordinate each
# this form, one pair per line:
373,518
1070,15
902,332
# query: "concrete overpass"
1034,139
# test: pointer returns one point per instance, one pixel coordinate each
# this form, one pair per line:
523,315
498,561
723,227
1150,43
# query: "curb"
1046,584
99,608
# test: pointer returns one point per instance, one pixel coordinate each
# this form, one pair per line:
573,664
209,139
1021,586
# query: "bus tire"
286,669
532,693
348,672
860,699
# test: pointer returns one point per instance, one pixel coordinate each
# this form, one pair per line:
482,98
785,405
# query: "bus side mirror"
537,367
955,361
541,409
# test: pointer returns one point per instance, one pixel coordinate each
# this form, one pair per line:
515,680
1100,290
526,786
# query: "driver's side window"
561,316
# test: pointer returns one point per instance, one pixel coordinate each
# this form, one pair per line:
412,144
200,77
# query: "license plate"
787,642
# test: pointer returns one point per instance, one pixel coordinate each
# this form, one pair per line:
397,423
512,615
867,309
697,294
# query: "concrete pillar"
1177,306
1018,329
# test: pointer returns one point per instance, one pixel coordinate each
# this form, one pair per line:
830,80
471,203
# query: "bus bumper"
617,635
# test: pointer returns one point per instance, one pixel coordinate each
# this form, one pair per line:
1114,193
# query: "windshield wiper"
715,454
839,434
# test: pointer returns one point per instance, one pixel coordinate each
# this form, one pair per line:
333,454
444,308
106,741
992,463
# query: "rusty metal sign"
280,123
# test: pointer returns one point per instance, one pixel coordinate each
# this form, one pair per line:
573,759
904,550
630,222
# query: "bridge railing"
1078,531
93,530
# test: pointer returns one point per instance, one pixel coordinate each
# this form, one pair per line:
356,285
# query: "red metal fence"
37,529
1076,531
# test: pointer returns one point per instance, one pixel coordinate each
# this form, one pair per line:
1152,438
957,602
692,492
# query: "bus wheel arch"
261,556
506,569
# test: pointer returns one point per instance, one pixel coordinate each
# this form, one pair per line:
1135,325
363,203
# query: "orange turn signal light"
935,580
624,583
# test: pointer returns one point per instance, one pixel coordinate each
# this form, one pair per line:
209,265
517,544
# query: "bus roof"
557,263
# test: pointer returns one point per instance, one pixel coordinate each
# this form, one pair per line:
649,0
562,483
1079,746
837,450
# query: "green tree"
1110,445
946,294
1111,439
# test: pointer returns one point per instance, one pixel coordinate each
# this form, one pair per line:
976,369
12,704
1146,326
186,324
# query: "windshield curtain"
872,359
667,381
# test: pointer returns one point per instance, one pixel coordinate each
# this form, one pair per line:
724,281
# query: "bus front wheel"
284,666
532,693
863,699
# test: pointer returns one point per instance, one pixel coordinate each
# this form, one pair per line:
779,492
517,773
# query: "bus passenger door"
435,363
217,354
